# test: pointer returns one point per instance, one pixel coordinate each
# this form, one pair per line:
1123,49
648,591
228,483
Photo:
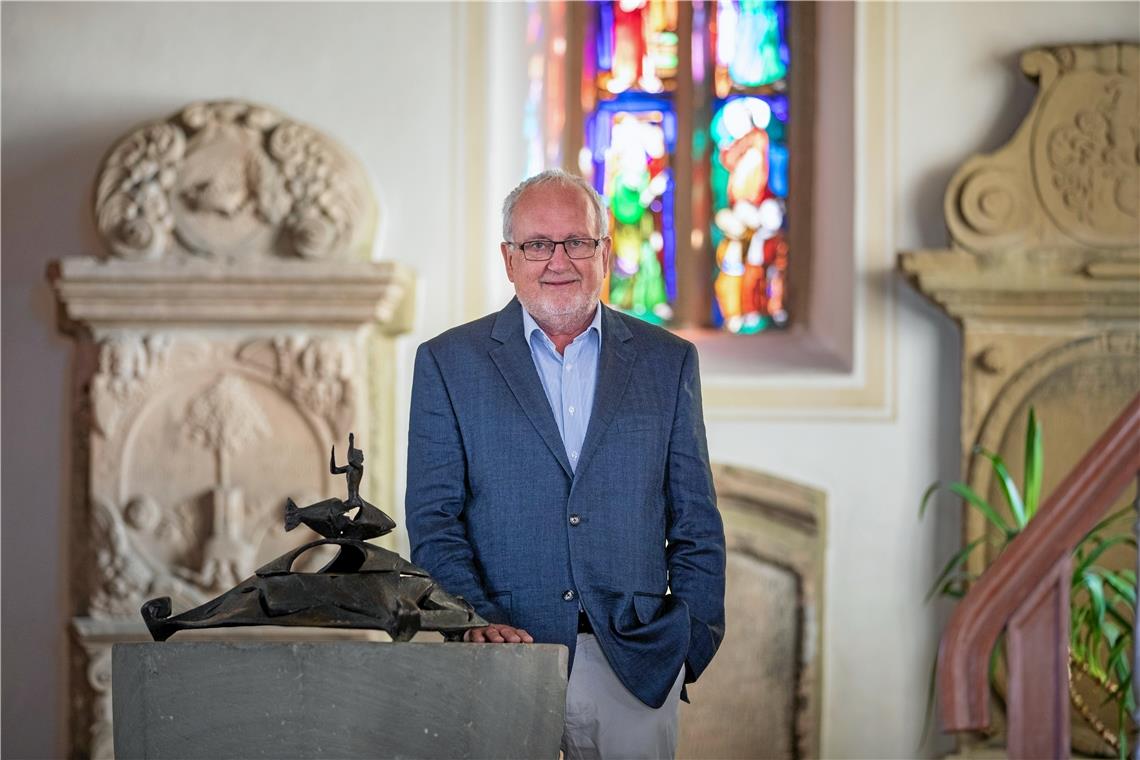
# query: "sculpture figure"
363,586
329,517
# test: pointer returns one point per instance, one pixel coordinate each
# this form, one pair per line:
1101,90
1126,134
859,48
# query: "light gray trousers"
605,722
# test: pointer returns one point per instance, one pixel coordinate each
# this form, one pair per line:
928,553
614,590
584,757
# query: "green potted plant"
1103,600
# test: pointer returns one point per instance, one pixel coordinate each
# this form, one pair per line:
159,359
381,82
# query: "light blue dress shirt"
569,379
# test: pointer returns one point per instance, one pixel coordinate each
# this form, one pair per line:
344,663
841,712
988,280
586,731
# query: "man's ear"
607,251
508,263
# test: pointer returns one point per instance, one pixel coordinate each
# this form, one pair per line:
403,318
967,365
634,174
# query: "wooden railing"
1026,592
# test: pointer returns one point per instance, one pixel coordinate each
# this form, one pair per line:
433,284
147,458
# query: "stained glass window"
630,70
738,89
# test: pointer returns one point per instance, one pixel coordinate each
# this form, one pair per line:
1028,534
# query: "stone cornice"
1043,286
344,294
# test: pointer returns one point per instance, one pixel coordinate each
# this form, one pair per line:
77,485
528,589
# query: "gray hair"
561,179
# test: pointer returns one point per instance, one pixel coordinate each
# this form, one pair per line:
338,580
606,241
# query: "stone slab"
337,700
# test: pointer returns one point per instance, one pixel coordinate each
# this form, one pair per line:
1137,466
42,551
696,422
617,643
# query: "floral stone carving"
229,179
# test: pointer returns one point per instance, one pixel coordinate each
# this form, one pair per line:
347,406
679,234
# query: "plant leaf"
1091,581
959,557
1008,487
928,720
1033,465
1102,546
1122,512
980,504
930,490
1126,590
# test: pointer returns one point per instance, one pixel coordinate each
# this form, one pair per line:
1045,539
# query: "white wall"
78,76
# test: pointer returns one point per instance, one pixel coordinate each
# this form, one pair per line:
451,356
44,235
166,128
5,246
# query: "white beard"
555,320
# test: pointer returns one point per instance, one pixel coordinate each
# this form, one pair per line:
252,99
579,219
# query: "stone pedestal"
337,700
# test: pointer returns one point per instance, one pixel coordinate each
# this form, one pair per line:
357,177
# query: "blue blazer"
497,516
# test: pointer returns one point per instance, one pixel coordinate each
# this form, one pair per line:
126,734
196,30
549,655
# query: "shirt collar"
529,326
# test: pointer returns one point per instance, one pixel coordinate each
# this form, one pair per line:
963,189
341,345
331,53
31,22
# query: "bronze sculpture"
363,586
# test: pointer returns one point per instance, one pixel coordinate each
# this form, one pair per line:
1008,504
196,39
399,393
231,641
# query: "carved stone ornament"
1070,177
232,179
236,330
1043,274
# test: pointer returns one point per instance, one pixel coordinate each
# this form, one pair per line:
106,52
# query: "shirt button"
568,595
571,410
569,367
575,519
574,455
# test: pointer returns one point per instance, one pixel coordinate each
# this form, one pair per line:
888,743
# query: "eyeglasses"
542,250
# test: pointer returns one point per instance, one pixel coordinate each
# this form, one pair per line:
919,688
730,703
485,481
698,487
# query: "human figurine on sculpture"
330,517
558,479
354,468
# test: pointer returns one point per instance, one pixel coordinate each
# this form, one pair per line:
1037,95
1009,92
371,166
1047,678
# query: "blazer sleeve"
437,490
695,550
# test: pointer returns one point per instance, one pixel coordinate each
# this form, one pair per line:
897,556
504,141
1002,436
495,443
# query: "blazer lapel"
512,357
614,368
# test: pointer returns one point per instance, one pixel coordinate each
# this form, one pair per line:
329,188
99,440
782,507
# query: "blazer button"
568,594
575,519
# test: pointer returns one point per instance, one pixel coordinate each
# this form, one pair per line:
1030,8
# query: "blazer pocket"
647,607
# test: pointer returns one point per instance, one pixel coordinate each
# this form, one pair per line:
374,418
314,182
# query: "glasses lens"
538,249
579,248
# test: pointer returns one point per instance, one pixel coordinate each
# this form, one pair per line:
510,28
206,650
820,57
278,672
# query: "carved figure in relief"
125,570
364,586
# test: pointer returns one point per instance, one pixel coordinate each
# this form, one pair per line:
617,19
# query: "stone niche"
1043,275
234,329
760,696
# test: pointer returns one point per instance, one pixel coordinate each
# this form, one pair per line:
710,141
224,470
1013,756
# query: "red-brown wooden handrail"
1027,588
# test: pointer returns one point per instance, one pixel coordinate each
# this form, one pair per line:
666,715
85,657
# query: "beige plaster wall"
77,76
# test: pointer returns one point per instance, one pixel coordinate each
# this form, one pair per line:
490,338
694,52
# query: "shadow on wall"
1018,93
943,520
47,192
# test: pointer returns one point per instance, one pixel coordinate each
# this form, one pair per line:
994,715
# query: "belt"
584,623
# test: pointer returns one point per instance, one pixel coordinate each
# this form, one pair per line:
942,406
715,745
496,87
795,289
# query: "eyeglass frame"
554,247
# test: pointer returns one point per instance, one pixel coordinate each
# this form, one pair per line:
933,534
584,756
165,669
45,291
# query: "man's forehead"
551,203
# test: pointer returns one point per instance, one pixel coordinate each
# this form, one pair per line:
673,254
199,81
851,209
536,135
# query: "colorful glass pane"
751,47
749,165
749,184
631,141
740,158
629,74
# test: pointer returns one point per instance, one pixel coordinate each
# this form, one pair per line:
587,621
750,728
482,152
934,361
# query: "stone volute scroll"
1043,274
234,326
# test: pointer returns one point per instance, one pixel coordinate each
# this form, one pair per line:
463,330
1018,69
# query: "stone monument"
1043,276
237,304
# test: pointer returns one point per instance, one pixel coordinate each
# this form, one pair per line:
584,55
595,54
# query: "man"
558,479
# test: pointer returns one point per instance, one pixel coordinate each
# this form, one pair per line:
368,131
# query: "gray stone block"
338,700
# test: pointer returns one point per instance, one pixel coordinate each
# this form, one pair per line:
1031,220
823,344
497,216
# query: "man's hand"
498,634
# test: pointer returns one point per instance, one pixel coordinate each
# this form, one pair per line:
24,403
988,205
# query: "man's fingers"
498,634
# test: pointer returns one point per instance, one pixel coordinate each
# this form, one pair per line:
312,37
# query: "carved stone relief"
221,348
